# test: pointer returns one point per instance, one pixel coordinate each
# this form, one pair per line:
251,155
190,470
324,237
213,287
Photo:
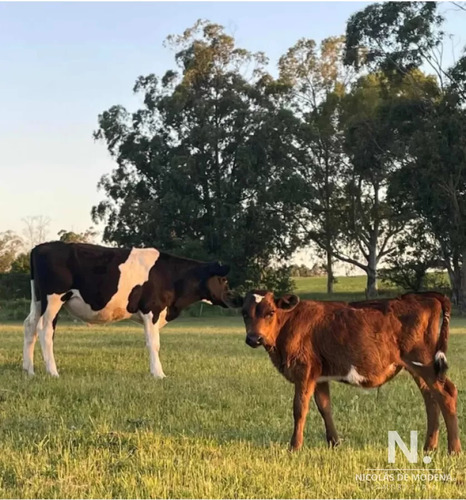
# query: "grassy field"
218,426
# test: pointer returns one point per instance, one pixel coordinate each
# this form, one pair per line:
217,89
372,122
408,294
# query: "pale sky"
64,63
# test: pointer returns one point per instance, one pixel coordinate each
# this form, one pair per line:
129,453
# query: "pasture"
218,426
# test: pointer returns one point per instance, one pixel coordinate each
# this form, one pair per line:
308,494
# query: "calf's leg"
445,394
433,412
323,402
302,395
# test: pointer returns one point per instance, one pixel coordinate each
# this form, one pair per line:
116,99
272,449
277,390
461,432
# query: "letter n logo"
410,454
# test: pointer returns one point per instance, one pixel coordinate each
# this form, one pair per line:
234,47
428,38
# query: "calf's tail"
440,360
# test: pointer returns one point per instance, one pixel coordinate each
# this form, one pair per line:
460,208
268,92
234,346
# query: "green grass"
350,288
218,426
346,288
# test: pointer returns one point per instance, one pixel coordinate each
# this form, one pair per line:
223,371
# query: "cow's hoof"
159,376
54,374
333,442
28,371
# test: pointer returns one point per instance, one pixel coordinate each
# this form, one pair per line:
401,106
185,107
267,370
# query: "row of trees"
15,248
357,147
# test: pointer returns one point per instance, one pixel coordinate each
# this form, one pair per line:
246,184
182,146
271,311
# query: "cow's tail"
440,360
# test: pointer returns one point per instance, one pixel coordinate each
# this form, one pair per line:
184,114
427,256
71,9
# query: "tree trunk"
329,272
371,288
455,283
462,290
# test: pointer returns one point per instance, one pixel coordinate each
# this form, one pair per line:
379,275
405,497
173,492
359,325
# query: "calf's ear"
288,302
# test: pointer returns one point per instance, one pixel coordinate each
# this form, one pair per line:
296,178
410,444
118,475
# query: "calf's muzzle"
253,339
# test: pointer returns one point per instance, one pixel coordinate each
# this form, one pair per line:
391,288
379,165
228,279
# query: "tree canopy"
355,147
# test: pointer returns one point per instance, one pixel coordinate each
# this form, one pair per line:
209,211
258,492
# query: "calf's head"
263,316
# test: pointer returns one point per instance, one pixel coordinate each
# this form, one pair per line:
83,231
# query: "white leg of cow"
45,330
151,331
30,337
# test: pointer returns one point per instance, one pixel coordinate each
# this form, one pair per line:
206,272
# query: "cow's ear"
216,269
288,302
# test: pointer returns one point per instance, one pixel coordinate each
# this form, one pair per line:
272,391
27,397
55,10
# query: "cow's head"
262,313
214,285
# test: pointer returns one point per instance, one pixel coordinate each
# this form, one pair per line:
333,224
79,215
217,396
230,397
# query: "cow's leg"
324,405
30,336
152,333
302,395
46,327
433,412
445,394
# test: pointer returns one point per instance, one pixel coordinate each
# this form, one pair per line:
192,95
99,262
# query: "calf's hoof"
294,447
454,448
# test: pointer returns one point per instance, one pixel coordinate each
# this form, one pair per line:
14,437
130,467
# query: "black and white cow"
99,285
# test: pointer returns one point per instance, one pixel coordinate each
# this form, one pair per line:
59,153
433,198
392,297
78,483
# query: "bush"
15,286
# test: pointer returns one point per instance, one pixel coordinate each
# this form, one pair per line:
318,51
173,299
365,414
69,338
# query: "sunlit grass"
218,426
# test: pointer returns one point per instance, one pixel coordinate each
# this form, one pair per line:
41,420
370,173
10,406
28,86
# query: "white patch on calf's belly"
352,377
133,272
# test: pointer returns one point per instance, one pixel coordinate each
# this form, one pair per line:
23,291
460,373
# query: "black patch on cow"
67,296
134,299
91,269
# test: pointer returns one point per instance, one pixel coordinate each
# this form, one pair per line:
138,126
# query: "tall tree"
206,166
395,37
430,126
86,236
10,245
369,222
432,184
36,230
318,81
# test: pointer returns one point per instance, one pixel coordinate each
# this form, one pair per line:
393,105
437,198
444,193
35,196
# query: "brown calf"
363,344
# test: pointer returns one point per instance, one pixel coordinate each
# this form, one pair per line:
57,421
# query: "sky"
61,64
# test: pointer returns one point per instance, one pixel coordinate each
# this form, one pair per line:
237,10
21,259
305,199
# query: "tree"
86,236
432,184
35,230
396,38
206,167
21,264
318,81
369,224
10,244
416,253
